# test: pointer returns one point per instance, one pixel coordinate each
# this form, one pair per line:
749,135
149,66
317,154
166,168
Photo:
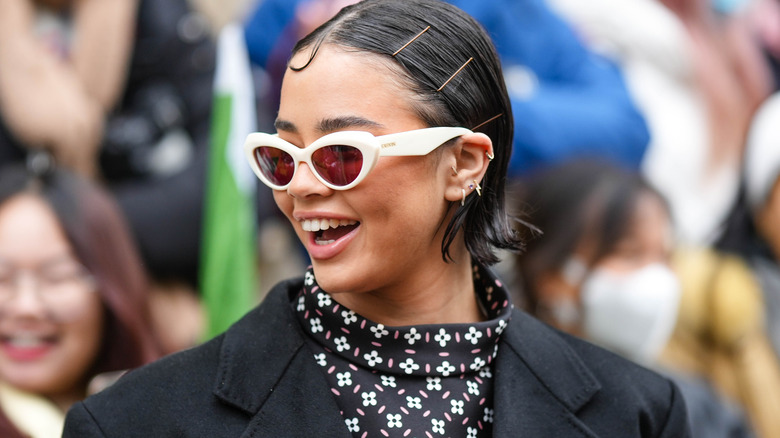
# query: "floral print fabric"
411,381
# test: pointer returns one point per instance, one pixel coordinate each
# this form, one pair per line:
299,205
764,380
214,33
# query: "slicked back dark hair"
474,96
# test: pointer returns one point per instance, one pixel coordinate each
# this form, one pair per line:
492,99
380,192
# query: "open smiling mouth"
27,347
327,231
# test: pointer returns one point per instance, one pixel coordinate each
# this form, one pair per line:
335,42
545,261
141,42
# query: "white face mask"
633,314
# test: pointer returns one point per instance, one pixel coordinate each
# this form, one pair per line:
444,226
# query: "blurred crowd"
645,176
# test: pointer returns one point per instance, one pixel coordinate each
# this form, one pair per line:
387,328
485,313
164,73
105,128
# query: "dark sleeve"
677,425
709,413
79,423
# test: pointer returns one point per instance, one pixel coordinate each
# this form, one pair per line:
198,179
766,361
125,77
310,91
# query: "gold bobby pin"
411,40
487,153
487,121
455,74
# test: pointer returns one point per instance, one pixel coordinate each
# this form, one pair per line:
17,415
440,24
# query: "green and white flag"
228,262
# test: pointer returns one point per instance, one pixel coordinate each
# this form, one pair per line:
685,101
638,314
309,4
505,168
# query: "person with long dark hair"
603,270
390,155
72,297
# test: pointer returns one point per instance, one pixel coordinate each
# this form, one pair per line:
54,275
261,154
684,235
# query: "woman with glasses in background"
390,157
72,298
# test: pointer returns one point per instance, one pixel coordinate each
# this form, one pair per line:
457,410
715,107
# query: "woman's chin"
334,278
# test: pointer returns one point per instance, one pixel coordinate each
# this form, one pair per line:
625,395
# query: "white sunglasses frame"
417,142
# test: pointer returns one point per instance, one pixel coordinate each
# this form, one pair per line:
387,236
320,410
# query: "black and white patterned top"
412,381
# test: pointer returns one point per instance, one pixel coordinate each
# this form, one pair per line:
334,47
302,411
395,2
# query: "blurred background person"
73,302
697,72
64,69
600,269
121,91
751,242
759,242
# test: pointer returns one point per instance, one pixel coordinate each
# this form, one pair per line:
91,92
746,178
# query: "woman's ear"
468,164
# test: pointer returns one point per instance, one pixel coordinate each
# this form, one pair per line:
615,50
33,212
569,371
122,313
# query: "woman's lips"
328,237
26,347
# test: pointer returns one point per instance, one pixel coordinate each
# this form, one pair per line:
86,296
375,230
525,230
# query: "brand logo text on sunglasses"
388,145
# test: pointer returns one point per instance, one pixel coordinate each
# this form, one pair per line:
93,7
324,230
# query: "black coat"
259,379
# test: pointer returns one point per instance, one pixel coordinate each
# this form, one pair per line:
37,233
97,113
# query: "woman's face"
399,210
630,299
51,318
648,240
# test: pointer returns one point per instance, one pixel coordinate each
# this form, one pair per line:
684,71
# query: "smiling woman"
72,298
393,139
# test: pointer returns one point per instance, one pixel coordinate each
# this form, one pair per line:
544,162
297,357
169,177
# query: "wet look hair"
475,98
95,228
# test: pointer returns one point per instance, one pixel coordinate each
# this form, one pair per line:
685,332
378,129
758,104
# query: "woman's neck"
444,295
65,400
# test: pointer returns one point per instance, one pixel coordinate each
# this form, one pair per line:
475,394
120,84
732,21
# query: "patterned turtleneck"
411,381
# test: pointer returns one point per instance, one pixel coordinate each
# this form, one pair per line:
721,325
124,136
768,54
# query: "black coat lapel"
540,383
300,406
536,394
284,392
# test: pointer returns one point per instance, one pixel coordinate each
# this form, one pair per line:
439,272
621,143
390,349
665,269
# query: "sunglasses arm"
418,142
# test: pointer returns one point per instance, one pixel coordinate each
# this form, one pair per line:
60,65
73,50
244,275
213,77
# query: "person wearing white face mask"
633,312
598,267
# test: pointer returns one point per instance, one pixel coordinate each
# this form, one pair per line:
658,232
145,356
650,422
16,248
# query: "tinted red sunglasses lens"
275,164
338,164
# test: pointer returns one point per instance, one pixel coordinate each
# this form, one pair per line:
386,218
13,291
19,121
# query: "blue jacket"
567,101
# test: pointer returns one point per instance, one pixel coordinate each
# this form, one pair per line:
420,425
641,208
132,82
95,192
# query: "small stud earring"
463,199
479,189
454,171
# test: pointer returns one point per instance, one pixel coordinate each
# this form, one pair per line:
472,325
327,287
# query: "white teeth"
324,224
26,342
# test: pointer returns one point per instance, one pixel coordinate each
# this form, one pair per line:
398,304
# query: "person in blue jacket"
567,101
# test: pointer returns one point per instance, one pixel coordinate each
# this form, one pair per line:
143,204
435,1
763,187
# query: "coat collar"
540,382
265,370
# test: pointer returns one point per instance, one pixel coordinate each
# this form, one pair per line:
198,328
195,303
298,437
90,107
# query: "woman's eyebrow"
284,125
340,123
54,260
330,124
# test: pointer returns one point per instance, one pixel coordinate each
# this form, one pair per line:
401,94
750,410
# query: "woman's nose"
305,184
26,297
